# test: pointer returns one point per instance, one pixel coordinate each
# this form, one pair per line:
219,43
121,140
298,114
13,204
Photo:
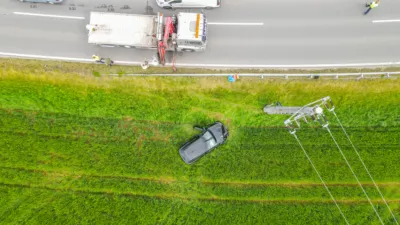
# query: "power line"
326,187
317,115
365,167
355,176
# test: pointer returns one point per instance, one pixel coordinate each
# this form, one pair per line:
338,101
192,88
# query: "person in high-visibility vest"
97,58
370,6
91,28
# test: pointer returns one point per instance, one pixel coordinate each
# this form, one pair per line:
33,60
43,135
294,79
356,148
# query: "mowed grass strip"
60,67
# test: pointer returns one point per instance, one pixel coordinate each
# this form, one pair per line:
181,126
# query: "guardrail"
277,75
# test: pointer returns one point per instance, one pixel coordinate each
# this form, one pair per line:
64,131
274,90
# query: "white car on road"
174,4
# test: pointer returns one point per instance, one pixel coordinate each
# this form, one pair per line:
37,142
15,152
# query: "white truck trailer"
181,32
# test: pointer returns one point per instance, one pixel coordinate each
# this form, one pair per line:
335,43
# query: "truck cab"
191,32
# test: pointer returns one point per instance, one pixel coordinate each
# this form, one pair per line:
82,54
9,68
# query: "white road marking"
233,66
16,55
48,15
385,21
44,57
236,24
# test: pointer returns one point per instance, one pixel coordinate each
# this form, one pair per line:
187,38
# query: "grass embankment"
99,69
80,149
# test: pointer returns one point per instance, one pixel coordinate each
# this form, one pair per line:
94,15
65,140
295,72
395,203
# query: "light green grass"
76,149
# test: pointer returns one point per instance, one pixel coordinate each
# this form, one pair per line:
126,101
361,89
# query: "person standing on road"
370,6
109,62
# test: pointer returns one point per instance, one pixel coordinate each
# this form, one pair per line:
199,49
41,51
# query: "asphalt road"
294,32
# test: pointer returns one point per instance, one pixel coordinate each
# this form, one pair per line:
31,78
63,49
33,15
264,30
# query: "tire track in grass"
190,198
45,115
161,134
169,180
157,136
296,184
77,175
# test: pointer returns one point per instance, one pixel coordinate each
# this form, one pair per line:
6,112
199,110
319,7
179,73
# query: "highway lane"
307,32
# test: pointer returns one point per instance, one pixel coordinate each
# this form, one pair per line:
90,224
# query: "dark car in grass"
210,138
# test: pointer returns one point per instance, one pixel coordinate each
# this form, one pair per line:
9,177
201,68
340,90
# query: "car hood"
193,150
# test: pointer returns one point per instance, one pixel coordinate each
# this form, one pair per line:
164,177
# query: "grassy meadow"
81,149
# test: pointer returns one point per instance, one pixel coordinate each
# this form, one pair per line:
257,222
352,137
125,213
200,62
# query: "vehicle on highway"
44,1
210,138
177,33
174,4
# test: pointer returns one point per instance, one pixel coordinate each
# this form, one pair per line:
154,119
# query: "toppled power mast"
314,112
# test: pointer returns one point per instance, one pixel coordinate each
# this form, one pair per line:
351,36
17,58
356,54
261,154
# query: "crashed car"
210,138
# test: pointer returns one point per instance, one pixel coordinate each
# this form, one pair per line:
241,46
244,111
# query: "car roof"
193,149
198,146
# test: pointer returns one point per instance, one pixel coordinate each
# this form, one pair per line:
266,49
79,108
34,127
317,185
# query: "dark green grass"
129,147
45,206
101,150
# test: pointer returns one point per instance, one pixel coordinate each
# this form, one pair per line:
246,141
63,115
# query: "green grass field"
79,149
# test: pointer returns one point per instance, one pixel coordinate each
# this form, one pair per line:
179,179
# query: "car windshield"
209,139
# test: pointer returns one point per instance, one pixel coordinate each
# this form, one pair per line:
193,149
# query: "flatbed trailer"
125,30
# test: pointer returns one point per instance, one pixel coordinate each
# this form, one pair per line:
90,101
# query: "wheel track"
169,180
169,196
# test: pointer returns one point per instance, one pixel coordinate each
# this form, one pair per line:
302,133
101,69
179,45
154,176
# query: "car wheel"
167,7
